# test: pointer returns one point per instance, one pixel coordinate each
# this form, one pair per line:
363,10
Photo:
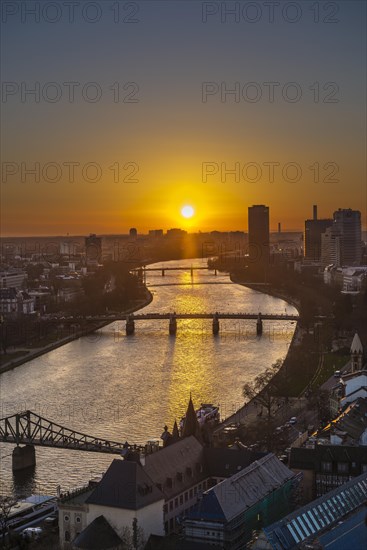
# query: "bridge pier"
163,273
130,325
259,325
172,325
23,457
215,324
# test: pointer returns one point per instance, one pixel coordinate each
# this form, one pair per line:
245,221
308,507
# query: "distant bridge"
173,317
176,268
201,283
218,315
29,429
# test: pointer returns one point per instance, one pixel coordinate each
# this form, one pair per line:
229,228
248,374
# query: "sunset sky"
170,144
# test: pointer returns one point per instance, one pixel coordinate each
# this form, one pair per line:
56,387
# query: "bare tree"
6,503
263,390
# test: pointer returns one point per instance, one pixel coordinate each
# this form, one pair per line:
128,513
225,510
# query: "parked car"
32,532
293,420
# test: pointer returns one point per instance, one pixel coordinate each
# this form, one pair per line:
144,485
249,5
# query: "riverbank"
267,290
249,411
12,363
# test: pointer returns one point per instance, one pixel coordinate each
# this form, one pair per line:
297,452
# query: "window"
191,493
326,466
66,518
343,467
186,496
181,499
78,519
67,536
171,505
165,508
176,502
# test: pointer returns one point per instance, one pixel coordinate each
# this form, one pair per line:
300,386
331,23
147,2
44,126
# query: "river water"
127,388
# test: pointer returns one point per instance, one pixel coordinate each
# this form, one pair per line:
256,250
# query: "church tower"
356,351
191,424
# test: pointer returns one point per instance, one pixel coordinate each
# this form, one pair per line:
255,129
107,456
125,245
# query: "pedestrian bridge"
29,429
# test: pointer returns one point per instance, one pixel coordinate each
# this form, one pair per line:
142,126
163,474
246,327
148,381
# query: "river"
127,388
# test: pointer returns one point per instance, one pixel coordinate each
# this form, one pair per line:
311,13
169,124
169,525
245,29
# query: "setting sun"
187,211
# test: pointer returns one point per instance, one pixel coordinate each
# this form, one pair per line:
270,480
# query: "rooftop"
125,485
234,495
316,517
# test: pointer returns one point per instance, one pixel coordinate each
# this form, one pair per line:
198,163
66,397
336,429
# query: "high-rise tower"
258,235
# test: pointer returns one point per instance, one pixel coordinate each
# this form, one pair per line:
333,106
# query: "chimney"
315,211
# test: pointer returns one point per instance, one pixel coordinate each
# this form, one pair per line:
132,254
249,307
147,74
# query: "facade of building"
312,238
325,467
178,474
14,303
12,279
258,235
93,249
331,247
347,223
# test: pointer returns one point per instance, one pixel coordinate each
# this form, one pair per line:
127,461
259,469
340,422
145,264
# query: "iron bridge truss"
28,428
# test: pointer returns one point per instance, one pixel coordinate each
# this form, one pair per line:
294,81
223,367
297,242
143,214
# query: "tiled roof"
231,497
225,462
125,485
177,467
98,535
305,459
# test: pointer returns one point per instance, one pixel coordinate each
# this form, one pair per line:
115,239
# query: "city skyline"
188,226
179,104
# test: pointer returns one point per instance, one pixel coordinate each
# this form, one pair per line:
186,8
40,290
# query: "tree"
264,389
133,537
6,503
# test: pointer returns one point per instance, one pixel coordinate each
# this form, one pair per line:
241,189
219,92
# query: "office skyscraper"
347,224
258,235
313,230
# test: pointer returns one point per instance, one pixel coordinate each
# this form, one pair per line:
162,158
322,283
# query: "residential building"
14,302
327,466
